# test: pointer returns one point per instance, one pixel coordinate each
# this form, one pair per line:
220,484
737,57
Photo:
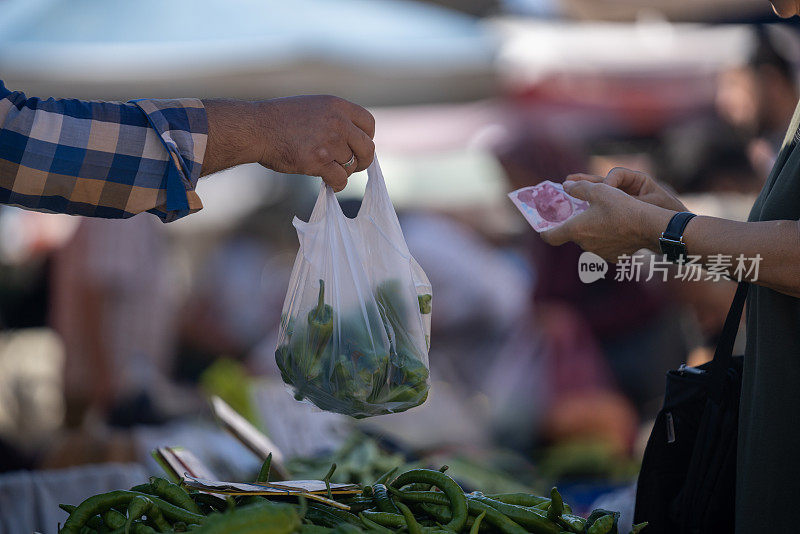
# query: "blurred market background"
114,333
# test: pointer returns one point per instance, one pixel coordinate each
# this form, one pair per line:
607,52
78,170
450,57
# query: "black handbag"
687,483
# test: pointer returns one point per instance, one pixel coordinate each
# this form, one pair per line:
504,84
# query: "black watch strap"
671,240
677,225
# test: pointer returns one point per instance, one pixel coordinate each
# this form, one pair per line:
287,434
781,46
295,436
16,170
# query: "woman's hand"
638,185
616,223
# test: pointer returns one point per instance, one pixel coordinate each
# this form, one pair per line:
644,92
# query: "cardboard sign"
312,489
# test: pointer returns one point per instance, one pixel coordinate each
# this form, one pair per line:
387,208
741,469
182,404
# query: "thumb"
556,236
582,190
626,180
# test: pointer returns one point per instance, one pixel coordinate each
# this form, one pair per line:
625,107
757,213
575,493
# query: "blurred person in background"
629,210
776,89
758,100
113,304
706,156
236,299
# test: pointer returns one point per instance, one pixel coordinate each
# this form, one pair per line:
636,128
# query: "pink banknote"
546,205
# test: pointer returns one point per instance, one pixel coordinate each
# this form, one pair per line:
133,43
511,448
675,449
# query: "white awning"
386,52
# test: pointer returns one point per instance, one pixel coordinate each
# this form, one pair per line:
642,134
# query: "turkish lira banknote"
546,205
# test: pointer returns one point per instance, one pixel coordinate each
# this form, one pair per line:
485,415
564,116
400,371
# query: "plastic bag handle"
376,204
326,203
376,197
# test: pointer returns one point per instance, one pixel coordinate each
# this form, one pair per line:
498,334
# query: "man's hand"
314,135
638,185
615,223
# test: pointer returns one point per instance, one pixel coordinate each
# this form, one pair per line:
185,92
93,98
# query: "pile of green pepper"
163,507
418,501
359,460
340,362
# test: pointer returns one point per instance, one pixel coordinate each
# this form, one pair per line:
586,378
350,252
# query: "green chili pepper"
637,528
602,525
347,528
411,523
173,494
142,505
283,357
327,516
520,499
382,499
359,505
384,478
425,487
136,509
94,523
386,519
573,523
534,520
556,507
263,518
439,512
263,474
374,526
144,488
209,501
599,513
320,329
530,518
476,526
362,377
100,503
136,528
114,519
496,518
458,502
425,303
327,480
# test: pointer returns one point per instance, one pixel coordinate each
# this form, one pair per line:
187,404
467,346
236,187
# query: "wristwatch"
671,240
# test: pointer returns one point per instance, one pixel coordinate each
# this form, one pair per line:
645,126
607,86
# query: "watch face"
673,250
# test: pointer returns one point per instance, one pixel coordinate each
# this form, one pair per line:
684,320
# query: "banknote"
546,205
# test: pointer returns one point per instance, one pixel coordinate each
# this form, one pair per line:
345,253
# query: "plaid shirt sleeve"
101,159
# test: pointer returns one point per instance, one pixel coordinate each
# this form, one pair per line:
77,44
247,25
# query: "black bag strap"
723,356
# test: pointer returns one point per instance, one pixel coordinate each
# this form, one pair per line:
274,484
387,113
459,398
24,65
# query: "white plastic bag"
355,327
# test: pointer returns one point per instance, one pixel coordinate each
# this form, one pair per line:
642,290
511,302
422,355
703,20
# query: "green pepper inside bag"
355,325
363,378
